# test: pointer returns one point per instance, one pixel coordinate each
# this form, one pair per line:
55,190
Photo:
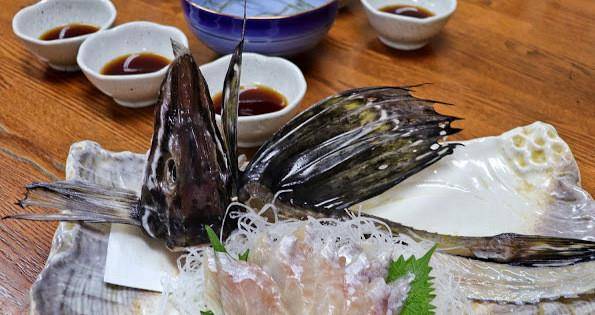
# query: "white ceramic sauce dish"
135,90
274,72
33,21
408,33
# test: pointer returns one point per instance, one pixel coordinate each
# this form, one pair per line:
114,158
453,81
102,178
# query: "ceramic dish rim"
291,104
109,5
267,17
82,64
434,18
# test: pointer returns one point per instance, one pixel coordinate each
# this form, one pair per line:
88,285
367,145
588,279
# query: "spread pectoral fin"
351,147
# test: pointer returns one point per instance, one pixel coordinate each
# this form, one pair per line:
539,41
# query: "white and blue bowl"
273,27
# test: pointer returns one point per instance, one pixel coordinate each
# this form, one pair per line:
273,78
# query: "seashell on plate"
72,279
525,180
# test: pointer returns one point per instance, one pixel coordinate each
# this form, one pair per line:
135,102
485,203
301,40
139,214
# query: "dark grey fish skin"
186,176
231,106
351,147
186,179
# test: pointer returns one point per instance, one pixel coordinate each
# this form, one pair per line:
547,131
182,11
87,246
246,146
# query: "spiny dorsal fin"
178,48
231,103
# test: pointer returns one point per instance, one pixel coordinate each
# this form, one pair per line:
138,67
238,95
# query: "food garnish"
420,295
244,255
220,248
214,239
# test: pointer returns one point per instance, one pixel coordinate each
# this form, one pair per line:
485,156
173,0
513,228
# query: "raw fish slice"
366,290
283,262
310,284
237,287
325,281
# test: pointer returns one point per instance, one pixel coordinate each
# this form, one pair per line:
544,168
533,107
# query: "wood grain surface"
503,63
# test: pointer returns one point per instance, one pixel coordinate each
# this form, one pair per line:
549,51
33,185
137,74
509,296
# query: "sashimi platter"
360,204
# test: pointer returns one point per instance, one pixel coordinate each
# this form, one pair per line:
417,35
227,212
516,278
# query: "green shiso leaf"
214,239
219,247
420,296
244,256
208,312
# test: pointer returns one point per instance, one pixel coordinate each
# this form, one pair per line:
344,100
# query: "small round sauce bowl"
408,33
277,73
30,23
134,90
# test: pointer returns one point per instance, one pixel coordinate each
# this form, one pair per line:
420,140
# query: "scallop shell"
72,280
524,181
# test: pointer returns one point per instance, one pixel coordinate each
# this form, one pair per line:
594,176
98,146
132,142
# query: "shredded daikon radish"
185,292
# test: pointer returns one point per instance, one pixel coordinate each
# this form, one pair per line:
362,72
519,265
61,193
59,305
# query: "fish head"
185,178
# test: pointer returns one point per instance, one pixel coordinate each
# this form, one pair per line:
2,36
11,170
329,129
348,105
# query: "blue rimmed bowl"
274,27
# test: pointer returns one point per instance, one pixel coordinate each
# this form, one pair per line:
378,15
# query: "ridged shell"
72,280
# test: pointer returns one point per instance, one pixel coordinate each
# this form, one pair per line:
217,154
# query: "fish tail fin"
351,147
78,201
509,248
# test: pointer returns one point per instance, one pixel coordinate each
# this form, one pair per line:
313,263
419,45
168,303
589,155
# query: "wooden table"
503,63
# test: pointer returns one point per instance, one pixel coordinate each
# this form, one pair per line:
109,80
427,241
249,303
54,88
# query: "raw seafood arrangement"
345,210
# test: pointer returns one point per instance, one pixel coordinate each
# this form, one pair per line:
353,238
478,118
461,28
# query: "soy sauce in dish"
255,100
135,64
68,31
408,10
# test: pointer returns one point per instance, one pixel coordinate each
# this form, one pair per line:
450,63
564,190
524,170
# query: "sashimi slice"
237,287
326,280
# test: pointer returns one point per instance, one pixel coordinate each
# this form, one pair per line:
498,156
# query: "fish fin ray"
178,48
79,201
230,108
507,248
231,104
341,151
